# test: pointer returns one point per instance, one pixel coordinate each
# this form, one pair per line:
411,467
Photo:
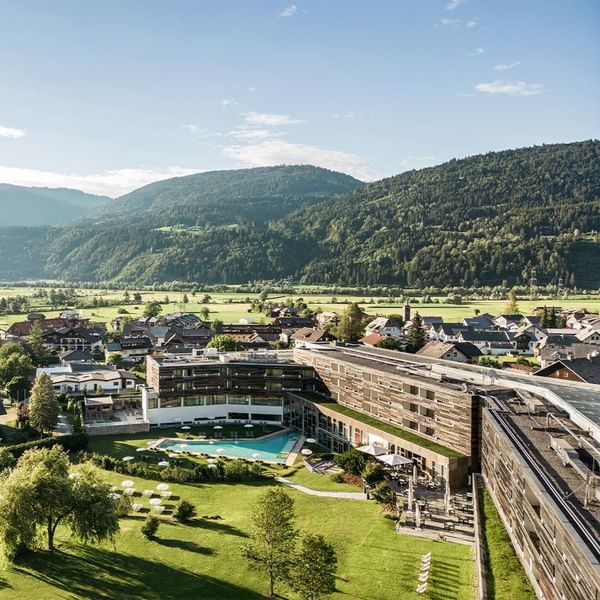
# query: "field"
231,307
203,559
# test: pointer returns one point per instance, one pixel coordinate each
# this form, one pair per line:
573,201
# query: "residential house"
77,379
586,370
384,326
552,352
131,349
463,352
496,343
372,339
71,338
589,335
484,322
447,332
508,321
311,335
327,319
76,356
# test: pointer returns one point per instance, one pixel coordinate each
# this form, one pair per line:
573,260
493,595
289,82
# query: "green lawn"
505,575
203,560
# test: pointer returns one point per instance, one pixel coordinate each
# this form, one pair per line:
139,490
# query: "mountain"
32,206
484,219
226,197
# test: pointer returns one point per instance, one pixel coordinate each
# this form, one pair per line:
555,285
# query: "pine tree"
512,308
415,336
43,406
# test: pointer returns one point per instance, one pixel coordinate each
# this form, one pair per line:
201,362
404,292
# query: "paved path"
305,490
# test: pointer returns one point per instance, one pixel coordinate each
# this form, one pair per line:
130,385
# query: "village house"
384,326
463,352
585,369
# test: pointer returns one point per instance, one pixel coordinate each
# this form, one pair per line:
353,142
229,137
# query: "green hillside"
479,220
30,206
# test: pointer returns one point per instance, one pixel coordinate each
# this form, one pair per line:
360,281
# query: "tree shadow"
184,545
217,526
102,574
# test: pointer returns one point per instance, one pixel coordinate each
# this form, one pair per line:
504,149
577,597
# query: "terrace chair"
421,589
426,557
166,494
148,493
423,577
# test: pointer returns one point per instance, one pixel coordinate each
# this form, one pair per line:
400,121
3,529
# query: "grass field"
231,307
505,575
203,560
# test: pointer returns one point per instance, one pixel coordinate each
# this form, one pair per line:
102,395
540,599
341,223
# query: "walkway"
305,490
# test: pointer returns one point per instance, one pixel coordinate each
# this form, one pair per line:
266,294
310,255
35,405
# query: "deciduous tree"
313,572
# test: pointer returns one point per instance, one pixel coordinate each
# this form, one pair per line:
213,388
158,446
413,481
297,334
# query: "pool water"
274,448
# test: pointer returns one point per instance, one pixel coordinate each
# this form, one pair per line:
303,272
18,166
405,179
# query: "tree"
224,343
216,326
415,336
185,299
273,535
390,343
351,326
40,493
17,388
137,297
14,362
7,460
114,358
205,313
150,527
352,461
185,511
152,309
43,406
512,308
314,568
36,343
373,473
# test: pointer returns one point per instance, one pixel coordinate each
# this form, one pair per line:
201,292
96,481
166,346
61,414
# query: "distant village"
87,357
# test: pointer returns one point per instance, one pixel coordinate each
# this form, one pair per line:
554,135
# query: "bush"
382,493
337,478
71,443
373,473
150,527
352,461
185,511
124,504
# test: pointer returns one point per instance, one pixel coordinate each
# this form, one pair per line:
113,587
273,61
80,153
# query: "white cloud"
451,23
228,102
111,183
346,115
510,88
454,4
289,11
478,52
470,24
277,152
506,67
270,119
246,133
11,132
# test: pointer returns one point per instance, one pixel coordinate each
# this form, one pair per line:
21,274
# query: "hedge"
71,443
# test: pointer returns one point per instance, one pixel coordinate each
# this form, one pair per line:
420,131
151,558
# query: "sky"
108,95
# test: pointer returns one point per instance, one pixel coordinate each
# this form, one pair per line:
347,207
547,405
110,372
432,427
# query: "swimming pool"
274,448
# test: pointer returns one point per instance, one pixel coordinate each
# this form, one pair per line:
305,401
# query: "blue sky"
109,95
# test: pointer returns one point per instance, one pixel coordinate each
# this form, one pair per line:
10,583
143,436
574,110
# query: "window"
193,401
152,403
413,408
212,399
430,395
266,402
170,402
413,389
237,399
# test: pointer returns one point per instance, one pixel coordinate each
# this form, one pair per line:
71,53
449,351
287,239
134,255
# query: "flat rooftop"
532,435
270,357
584,398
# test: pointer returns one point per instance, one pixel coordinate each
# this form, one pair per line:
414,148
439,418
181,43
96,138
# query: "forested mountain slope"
31,206
479,220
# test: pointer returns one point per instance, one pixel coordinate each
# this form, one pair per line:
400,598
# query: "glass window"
266,401
193,401
170,402
152,403
237,399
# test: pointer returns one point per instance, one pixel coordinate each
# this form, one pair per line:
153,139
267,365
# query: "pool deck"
294,450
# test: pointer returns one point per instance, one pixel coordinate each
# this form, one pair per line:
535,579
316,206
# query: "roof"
381,322
76,355
451,328
293,322
586,369
555,352
436,349
484,336
99,401
372,339
311,334
479,321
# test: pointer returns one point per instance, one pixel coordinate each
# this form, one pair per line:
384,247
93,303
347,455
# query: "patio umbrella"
127,483
306,451
417,516
140,449
212,461
311,441
372,450
248,426
162,487
218,427
163,463
128,458
186,427
155,501
212,466
393,460
411,493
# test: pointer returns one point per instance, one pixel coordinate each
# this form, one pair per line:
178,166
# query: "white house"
384,326
86,382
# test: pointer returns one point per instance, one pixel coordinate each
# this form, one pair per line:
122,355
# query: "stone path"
305,490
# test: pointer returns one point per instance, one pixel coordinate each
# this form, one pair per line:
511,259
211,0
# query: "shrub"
185,511
150,527
71,443
382,493
337,478
124,504
351,461
373,473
